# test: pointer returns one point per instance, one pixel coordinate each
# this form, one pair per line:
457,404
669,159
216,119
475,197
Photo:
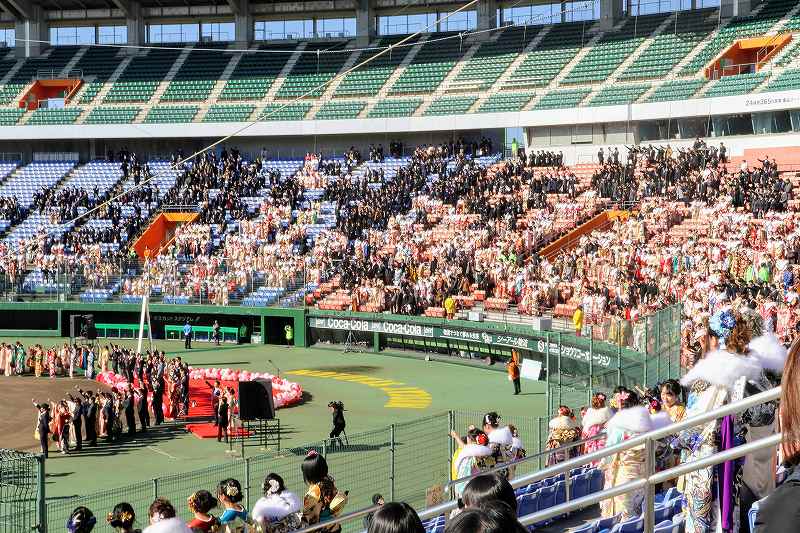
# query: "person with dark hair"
278,510
200,504
122,518
513,366
492,517
322,500
163,518
474,456
82,520
377,499
223,418
396,517
337,412
489,487
43,426
631,420
230,495
671,399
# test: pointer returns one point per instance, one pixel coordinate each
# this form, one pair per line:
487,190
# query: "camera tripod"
351,345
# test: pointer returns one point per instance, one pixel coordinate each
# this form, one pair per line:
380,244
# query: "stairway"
278,83
123,64
72,62
384,92
162,86
457,68
333,85
219,86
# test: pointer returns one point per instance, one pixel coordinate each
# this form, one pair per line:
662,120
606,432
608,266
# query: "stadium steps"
669,21
452,83
788,53
583,52
101,96
776,29
164,83
452,75
219,86
13,103
504,77
688,58
72,62
278,83
327,94
384,91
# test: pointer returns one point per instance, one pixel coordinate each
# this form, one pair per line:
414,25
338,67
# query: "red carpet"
200,406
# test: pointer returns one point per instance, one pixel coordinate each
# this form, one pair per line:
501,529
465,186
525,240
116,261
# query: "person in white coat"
279,510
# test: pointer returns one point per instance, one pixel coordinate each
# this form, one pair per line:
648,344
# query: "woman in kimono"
594,422
474,456
717,379
563,430
322,500
630,421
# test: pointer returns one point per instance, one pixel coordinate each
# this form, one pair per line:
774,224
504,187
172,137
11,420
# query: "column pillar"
244,25
610,13
487,15
365,22
734,8
135,24
34,28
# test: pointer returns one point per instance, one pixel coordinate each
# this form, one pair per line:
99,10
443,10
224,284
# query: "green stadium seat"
388,108
229,113
450,105
170,114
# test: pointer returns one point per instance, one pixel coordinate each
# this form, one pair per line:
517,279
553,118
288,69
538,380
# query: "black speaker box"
255,400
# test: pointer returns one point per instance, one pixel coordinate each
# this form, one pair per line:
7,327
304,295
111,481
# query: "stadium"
392,266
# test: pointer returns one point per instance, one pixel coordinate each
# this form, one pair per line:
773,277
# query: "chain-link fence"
403,461
20,497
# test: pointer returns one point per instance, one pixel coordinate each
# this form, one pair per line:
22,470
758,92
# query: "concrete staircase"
556,81
278,83
384,92
506,75
218,87
72,62
123,64
333,85
162,86
452,75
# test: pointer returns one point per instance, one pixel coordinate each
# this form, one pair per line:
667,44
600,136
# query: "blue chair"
596,481
676,505
665,527
670,494
579,487
528,504
606,523
586,528
547,497
635,525
752,514
662,513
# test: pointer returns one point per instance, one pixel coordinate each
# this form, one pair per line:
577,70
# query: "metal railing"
651,479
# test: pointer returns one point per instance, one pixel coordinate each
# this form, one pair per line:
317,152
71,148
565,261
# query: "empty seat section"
403,107
167,114
9,117
229,113
56,117
97,65
197,76
675,90
313,69
339,110
550,56
112,115
291,111
367,81
733,85
618,94
256,72
788,80
739,28
612,49
430,66
562,98
450,105
141,78
492,59
684,32
500,102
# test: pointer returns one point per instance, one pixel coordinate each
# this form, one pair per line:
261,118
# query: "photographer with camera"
337,410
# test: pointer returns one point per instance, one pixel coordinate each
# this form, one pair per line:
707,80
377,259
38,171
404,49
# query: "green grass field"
423,389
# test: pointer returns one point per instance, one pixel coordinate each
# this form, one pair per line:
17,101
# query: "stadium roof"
50,5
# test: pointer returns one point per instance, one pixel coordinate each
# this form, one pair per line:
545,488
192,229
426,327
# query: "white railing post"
650,490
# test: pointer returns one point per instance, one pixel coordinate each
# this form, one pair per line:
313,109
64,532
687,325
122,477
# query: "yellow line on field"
401,395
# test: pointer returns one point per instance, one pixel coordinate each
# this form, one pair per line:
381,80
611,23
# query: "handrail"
651,481
537,455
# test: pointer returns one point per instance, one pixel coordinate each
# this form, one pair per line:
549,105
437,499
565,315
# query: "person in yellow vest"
577,320
450,307
288,332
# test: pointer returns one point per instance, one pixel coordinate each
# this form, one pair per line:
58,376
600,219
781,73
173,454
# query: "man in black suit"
43,426
144,414
158,398
76,412
129,408
222,419
90,415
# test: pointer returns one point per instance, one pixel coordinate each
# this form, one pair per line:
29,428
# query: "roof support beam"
124,6
19,10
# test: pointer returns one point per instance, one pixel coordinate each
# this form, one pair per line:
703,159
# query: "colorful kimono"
711,385
594,422
628,465
277,513
563,430
235,521
473,459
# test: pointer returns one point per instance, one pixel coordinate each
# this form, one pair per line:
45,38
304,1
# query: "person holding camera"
337,411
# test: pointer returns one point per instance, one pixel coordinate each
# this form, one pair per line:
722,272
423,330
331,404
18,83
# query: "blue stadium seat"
634,525
595,480
528,504
586,528
579,486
